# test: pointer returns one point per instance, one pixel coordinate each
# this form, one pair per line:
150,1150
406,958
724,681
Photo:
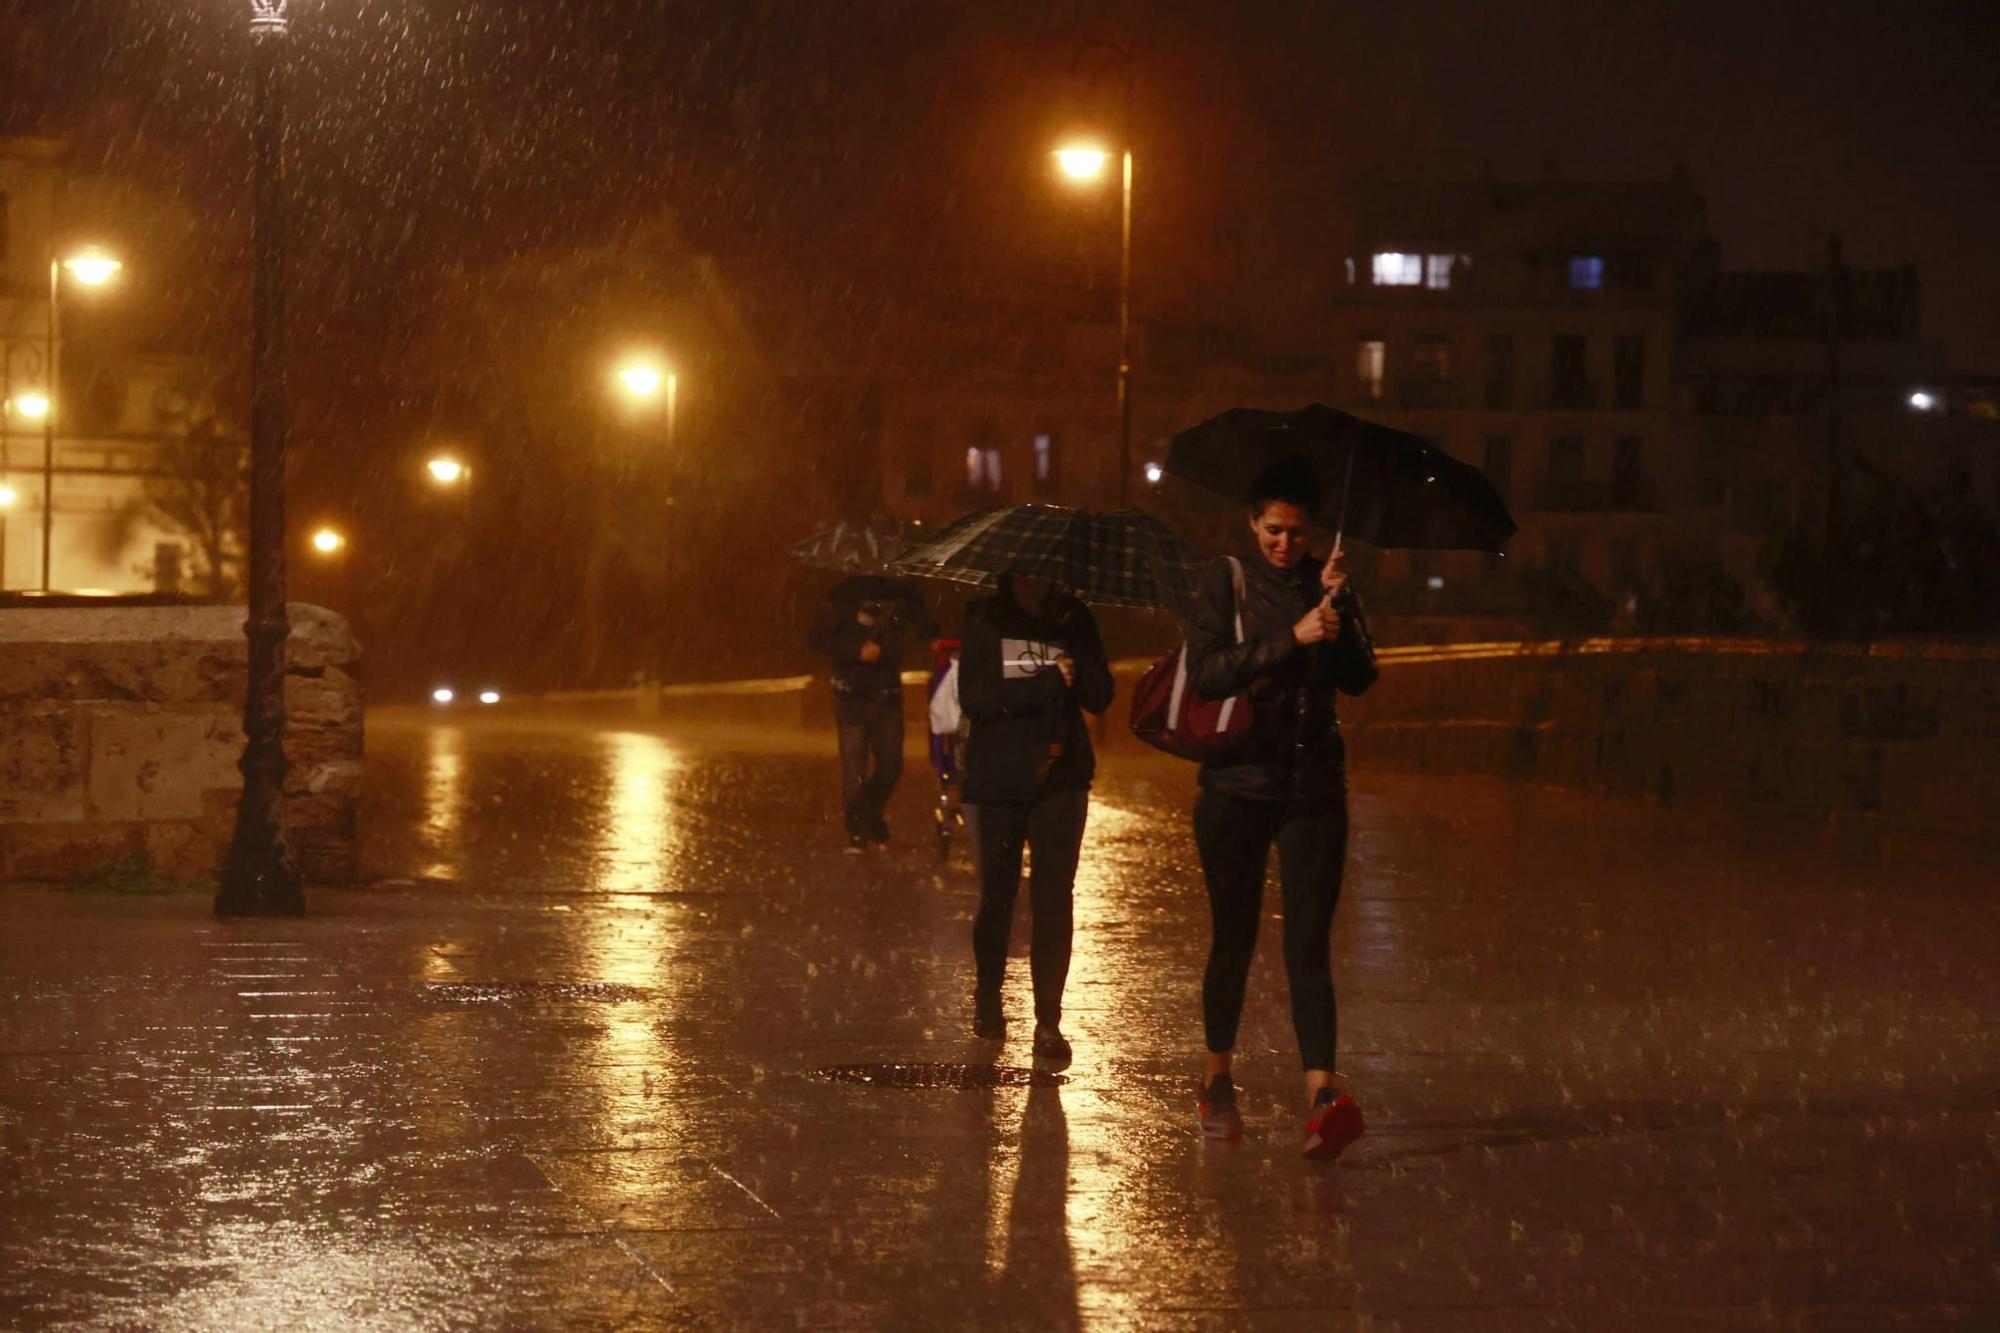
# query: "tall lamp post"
92,268
1085,163
259,877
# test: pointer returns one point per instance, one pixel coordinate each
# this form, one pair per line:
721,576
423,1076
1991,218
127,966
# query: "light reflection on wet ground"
1622,1067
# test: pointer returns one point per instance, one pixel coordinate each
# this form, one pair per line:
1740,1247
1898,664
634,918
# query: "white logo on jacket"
1020,658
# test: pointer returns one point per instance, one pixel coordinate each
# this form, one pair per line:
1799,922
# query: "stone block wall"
121,727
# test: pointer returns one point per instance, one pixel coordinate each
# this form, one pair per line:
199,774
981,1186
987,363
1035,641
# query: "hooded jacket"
863,609
1028,732
1292,751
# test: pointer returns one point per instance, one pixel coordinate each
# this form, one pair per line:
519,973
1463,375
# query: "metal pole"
260,878
49,431
1125,344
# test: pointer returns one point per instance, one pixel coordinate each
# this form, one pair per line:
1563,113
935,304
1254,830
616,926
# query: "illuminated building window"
982,469
1047,473
1586,272
1371,356
1394,269
1437,271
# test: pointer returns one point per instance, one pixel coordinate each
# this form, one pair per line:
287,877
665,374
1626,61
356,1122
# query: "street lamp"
32,406
328,541
259,878
93,268
642,379
445,470
1086,163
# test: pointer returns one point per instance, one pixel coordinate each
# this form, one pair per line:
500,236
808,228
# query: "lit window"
1044,462
1437,271
982,469
1586,272
1398,270
1922,400
1371,356
1350,270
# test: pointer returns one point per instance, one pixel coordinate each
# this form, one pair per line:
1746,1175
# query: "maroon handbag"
1168,715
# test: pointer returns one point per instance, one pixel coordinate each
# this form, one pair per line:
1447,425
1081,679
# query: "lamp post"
92,268
259,877
1084,163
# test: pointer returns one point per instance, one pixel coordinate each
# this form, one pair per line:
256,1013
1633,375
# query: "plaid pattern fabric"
848,547
1121,558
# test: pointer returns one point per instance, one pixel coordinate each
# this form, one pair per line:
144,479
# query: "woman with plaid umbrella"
1030,665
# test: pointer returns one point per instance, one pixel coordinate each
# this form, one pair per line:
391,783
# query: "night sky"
841,152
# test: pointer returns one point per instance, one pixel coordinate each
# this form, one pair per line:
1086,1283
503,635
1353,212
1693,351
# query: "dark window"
1430,361
1586,272
1566,459
1569,382
1499,465
1628,458
918,475
1628,375
1499,370
1624,564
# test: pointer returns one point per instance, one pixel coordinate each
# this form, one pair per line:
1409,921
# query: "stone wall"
121,727
1905,732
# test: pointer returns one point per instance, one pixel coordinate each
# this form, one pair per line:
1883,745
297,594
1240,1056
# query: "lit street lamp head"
92,268
641,379
445,470
327,541
31,406
8,496
1082,162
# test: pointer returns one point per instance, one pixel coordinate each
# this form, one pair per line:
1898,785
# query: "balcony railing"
1577,495
1568,395
1422,393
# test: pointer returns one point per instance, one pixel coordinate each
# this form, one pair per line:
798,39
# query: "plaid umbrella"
1121,558
1385,486
849,547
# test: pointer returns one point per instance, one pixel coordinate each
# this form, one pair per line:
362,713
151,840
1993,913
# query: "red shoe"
1217,1110
1334,1124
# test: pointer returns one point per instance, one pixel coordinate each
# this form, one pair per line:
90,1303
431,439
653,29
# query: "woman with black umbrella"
1293,637
1030,664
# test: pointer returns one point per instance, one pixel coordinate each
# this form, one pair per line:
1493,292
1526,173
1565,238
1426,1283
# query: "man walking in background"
861,632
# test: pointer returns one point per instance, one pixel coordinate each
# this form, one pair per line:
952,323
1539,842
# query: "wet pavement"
1623,1068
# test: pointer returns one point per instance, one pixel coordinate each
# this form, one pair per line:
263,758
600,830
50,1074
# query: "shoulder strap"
1236,583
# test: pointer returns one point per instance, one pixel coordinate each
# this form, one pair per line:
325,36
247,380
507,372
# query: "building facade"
113,416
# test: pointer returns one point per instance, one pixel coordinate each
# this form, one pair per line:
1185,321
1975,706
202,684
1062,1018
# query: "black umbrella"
1120,558
1388,487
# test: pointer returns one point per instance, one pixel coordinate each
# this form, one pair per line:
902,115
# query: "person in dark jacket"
1303,639
861,632
1029,666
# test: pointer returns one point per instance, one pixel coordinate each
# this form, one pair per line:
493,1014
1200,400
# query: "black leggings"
1235,837
1053,826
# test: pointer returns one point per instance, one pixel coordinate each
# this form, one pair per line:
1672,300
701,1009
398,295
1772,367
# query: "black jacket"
1293,750
870,608
1028,732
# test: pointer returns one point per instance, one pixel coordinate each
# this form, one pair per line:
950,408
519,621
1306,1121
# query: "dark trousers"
1234,837
1052,825
871,758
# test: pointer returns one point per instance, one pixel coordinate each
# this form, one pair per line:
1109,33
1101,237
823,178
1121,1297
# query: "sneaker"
1217,1110
1334,1124
987,1019
1052,1053
856,844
